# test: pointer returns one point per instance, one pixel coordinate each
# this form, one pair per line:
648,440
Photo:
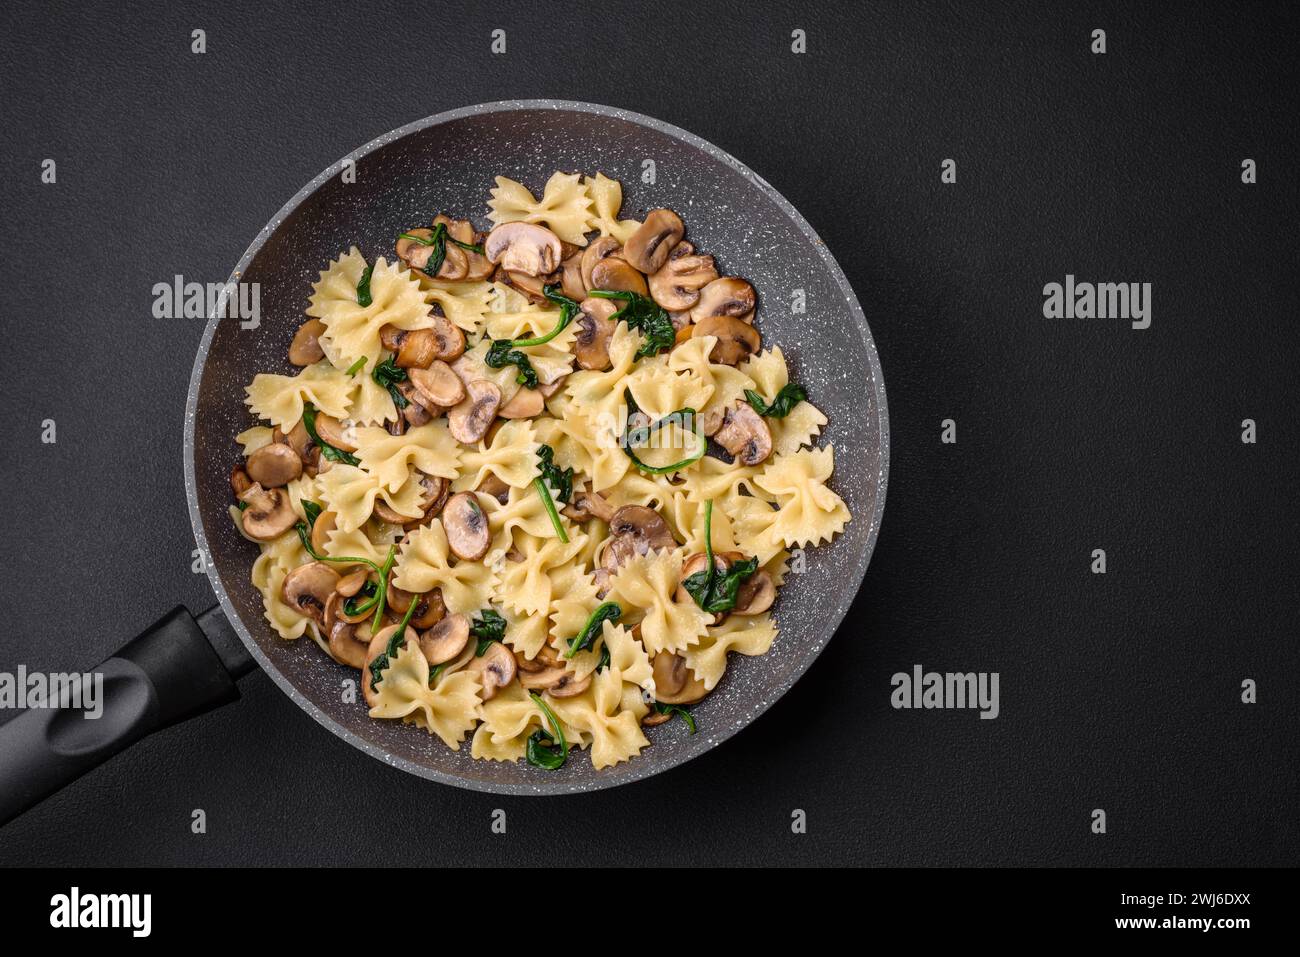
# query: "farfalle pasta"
538,484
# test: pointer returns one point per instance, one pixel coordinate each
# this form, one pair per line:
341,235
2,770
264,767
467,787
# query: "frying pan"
183,666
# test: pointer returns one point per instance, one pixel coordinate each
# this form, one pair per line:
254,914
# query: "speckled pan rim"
647,765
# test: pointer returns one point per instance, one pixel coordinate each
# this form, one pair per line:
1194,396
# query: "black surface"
1119,692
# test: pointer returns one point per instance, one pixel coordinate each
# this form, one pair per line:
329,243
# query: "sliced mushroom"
647,249
351,583
599,249
737,339
466,524
415,254
269,513
333,432
345,646
533,287
429,607
449,338
492,485
468,421
548,389
524,247
674,682
438,384
528,665
695,564
307,588
416,412
320,530
445,640
595,329
728,296
524,404
378,646
417,349
495,668
478,266
274,465
436,491
677,285
386,513
744,434
305,348
614,272
557,680
239,480
635,530
755,594
571,283
587,505
299,439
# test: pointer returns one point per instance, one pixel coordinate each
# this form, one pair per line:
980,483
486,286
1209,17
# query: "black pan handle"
178,668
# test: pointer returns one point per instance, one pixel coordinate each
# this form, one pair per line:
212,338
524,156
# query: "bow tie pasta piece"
565,208
255,438
512,315
465,304
809,512
615,733
685,516
508,719
279,398
744,635
511,456
715,479
803,423
599,395
657,390
524,510
628,656
646,588
525,583
390,458
278,558
574,597
525,633
607,201
371,404
449,710
352,330
723,384
585,445
356,544
350,493
424,562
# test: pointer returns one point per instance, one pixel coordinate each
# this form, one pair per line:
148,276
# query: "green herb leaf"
357,366
547,750
712,591
539,486
502,353
311,510
559,479
327,450
791,394
632,438
609,611
643,313
382,661
677,710
387,374
438,240
363,288
487,626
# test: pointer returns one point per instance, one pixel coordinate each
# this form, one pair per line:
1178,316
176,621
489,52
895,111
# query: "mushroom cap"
334,433
417,349
494,486
524,404
556,680
429,607
587,505
674,682
449,338
571,283
239,480
351,583
321,528
755,594
495,667
695,563
269,513
647,249
438,384
727,296
308,587
595,329
274,465
737,339
466,525
523,247
599,248
744,434
676,286
468,421
616,273
305,349
445,640
345,647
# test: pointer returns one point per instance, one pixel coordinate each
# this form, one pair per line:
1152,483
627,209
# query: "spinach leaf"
678,710
384,659
641,312
487,626
547,749
438,240
388,374
544,493
559,479
609,611
634,437
363,288
502,353
357,366
791,394
327,450
311,510
712,591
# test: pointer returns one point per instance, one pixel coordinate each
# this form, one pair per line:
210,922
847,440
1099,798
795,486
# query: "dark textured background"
1118,691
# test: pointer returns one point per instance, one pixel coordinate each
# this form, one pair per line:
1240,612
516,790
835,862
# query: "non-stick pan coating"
447,163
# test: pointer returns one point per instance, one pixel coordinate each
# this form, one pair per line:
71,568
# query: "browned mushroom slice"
478,266
438,385
333,432
599,249
305,348
320,530
345,646
524,404
239,480
524,247
449,337
647,249
386,513
307,588
445,640
571,283
556,680
595,329
429,607
674,682
755,594
466,524
744,434
654,717
528,665
587,505
677,285
492,485
416,254
269,513
614,272
436,492
274,465
495,668
299,439
635,530
533,287
351,583
728,296
469,420
737,339
695,563
548,389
